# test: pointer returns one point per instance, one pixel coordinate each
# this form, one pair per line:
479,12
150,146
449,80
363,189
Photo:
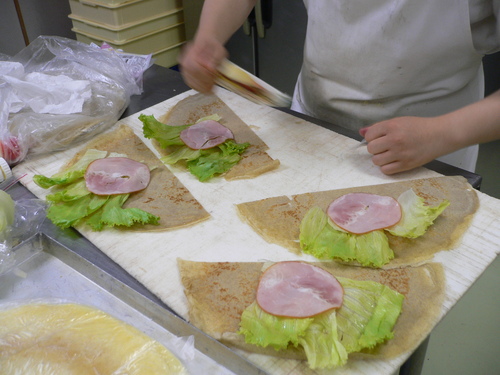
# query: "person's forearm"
221,18
475,123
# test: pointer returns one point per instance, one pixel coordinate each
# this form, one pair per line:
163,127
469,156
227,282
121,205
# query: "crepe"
165,196
43,338
218,292
254,162
277,219
235,79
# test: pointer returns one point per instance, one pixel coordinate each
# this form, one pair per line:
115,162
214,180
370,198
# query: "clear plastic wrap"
57,92
26,221
56,337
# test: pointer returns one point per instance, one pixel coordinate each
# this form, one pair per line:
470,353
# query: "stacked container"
135,26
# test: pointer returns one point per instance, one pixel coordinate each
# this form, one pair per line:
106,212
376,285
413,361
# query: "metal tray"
45,269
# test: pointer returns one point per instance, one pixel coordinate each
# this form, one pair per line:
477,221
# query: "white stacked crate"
135,26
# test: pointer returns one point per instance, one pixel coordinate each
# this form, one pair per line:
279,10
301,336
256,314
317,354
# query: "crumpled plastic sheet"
32,118
28,218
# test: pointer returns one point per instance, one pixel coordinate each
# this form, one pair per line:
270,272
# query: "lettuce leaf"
112,214
204,164
69,192
72,173
181,153
72,203
366,319
217,160
166,135
321,343
368,314
69,213
263,329
319,238
417,217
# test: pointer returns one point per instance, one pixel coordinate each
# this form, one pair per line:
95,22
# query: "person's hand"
199,61
404,143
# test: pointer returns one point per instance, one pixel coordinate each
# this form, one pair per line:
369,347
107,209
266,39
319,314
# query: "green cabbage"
71,203
417,217
366,318
319,238
204,164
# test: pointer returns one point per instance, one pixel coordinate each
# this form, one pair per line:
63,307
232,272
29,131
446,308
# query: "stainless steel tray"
47,270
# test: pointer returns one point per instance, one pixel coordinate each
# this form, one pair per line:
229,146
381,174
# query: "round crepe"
165,196
218,292
278,219
254,161
76,339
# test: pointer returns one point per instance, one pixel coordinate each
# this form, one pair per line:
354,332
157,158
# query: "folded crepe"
235,79
218,292
255,161
165,196
278,219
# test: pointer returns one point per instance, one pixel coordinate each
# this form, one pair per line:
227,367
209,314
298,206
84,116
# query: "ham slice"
116,175
205,134
362,213
298,290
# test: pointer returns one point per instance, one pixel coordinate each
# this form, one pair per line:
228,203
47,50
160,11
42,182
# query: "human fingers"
374,131
397,145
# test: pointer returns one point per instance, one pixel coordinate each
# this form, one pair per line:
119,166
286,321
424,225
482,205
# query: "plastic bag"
58,92
28,217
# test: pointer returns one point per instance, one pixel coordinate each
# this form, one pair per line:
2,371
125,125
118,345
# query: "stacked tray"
136,27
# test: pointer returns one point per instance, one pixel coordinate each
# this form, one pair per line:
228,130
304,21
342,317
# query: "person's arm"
404,143
218,21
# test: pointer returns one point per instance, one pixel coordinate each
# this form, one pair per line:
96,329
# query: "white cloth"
366,61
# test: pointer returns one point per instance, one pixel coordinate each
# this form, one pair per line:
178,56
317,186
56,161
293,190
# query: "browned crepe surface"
278,219
218,292
255,160
165,195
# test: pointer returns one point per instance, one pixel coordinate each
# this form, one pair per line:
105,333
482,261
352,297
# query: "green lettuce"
165,135
112,214
417,217
204,164
366,318
368,313
322,239
71,203
321,343
73,173
263,329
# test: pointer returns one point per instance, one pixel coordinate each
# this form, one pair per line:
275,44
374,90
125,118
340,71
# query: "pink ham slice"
205,134
116,175
362,213
298,290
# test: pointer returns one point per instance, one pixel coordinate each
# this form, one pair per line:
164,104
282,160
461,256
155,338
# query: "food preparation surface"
312,159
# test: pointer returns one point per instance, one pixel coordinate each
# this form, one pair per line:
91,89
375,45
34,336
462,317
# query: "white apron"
367,61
